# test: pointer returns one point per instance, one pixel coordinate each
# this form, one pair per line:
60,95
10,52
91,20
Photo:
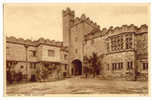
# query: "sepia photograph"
76,49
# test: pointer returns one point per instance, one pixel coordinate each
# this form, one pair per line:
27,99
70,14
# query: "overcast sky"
45,20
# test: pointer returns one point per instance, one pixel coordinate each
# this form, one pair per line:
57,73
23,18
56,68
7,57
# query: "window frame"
51,53
33,52
129,41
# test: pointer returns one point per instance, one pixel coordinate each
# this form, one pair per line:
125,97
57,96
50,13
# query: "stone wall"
86,37
74,29
122,57
19,53
30,56
16,52
46,57
96,45
141,43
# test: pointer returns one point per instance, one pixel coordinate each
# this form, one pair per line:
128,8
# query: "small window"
65,67
51,53
116,66
33,53
76,51
65,57
145,66
31,65
46,65
34,65
121,64
107,47
22,67
129,65
113,66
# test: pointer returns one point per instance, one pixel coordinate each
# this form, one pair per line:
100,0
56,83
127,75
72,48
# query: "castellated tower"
74,29
68,18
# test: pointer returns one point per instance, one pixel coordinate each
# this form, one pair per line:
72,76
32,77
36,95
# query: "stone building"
125,48
123,51
28,56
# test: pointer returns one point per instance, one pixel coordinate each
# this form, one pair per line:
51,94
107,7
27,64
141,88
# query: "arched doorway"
77,67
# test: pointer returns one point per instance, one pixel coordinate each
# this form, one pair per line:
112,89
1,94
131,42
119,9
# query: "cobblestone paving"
80,86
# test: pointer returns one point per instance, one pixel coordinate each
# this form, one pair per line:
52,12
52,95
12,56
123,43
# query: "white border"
59,98
68,1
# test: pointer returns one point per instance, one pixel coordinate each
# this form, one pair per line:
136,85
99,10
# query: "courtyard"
77,85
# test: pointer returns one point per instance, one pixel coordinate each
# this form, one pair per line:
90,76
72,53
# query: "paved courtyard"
80,86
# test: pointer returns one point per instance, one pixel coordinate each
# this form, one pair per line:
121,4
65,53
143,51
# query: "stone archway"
77,67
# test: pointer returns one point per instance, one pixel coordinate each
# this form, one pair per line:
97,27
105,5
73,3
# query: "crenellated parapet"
13,39
83,17
110,30
77,20
130,28
49,42
68,11
93,24
117,30
104,31
143,29
35,42
125,28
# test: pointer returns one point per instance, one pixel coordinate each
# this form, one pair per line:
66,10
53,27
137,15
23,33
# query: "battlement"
19,40
94,24
35,42
130,28
68,11
78,20
118,30
143,28
83,17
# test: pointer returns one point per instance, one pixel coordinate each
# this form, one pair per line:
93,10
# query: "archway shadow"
77,67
